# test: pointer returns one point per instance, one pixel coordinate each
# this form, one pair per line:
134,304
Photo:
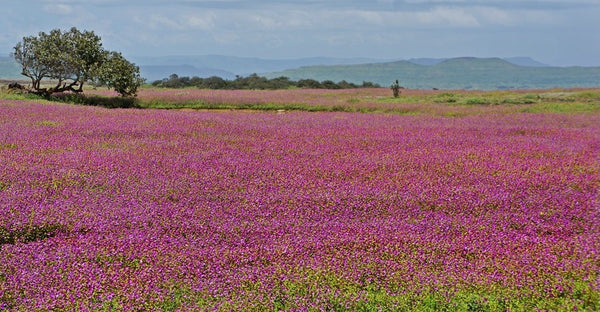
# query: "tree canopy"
69,59
254,82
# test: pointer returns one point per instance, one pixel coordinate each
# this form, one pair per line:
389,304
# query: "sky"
554,32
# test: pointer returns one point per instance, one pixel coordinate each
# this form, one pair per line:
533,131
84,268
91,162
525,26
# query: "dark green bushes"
27,234
95,100
255,82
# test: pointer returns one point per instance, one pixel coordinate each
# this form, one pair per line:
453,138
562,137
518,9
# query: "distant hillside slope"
525,61
9,69
456,73
244,66
159,72
422,73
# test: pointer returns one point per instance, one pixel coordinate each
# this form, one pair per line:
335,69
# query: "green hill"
9,69
456,73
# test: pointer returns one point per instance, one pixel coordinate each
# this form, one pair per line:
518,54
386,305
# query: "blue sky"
561,33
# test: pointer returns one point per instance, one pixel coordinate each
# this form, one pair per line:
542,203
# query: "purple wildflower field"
231,210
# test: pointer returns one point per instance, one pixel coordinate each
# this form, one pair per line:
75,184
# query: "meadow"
375,100
302,200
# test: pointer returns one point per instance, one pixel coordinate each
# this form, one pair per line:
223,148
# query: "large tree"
71,58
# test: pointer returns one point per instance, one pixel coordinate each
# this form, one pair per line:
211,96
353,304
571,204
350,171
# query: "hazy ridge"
421,73
455,73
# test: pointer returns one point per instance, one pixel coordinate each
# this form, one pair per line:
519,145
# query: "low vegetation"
364,100
492,209
27,234
439,201
254,82
70,59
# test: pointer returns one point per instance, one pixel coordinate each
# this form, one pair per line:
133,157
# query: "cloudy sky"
554,32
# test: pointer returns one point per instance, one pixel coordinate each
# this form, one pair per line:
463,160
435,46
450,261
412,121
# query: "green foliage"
346,296
568,108
445,97
198,104
29,233
5,185
309,83
76,98
588,95
95,100
474,101
19,95
254,82
70,59
395,88
443,103
329,84
119,74
450,104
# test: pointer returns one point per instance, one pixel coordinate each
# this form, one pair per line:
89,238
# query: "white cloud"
160,22
448,16
204,21
226,37
370,17
317,27
496,16
60,9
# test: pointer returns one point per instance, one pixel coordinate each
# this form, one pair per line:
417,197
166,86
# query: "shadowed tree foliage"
254,82
396,88
69,59
119,74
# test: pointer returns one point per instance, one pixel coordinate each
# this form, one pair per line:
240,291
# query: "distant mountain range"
9,69
455,73
519,61
158,72
227,67
422,73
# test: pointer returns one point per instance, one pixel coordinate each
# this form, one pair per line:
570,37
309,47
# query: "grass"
449,102
443,103
279,107
460,97
71,98
330,290
202,105
373,298
562,108
29,233
97,100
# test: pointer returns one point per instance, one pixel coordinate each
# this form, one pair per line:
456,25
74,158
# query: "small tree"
119,74
395,88
70,59
309,83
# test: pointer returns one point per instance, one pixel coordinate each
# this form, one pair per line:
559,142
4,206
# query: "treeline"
255,82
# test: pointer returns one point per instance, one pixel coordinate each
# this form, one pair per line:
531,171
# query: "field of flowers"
145,209
412,102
